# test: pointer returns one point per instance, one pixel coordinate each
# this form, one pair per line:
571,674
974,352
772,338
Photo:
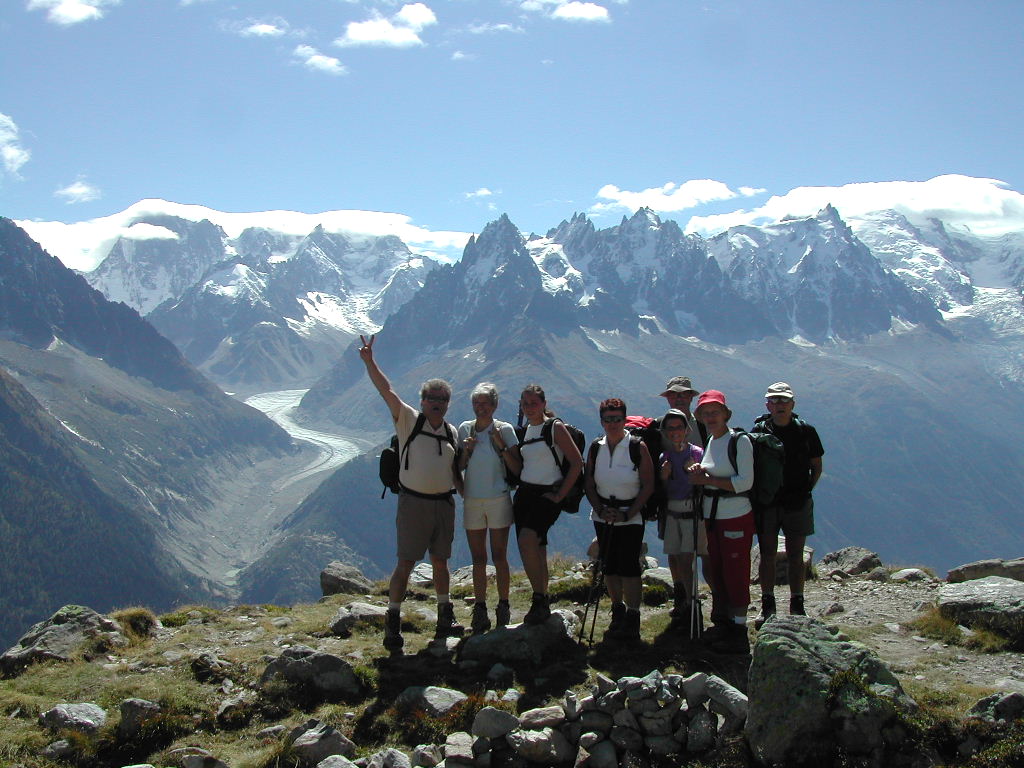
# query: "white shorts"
478,514
679,536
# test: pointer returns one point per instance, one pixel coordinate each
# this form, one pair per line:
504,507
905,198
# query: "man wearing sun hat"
792,509
679,393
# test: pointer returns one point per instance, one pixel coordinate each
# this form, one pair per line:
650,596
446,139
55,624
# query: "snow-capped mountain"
263,309
881,350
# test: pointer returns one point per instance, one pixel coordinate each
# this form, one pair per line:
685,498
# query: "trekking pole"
696,617
596,588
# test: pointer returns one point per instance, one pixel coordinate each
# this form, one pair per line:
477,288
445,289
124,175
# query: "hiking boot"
630,626
540,609
393,640
617,624
767,610
796,606
502,614
480,622
681,603
720,627
446,624
733,641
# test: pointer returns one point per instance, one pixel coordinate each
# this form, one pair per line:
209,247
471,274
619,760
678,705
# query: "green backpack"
769,460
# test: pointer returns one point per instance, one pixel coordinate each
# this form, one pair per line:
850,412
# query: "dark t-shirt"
802,444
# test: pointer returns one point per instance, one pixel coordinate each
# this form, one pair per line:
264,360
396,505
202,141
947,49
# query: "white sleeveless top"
539,467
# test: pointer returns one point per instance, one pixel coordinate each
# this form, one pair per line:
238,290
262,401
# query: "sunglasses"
779,399
435,399
612,418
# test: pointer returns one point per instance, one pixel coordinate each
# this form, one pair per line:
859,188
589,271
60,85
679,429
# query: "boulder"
911,574
993,602
547,747
1010,569
811,693
341,579
851,560
60,637
389,758
134,714
463,577
321,674
84,718
353,614
781,567
658,575
431,699
422,575
314,741
207,668
524,645
492,723
336,761
542,717
999,707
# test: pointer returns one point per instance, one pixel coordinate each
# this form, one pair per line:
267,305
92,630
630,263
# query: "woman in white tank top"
619,480
541,490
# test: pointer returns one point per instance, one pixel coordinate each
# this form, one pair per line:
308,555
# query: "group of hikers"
690,467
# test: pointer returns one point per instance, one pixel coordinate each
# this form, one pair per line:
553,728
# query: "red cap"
711,396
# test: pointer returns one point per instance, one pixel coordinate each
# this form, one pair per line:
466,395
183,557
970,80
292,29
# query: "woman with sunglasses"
618,481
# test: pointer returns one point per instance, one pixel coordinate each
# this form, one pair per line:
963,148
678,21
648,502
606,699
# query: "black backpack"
571,503
650,435
390,457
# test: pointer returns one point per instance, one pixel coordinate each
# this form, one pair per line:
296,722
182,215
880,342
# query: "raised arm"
380,381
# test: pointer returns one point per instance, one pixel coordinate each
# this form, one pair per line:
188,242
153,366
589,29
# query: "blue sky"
449,112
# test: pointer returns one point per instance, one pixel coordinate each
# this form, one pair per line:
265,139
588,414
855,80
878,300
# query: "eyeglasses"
435,399
675,428
612,418
777,399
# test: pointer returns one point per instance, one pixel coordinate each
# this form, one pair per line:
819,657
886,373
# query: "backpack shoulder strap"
634,452
595,446
416,429
547,432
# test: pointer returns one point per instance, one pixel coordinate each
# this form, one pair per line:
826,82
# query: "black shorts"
622,551
531,510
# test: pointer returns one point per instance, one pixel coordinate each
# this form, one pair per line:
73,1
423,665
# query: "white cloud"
416,15
82,245
400,31
69,12
264,29
311,58
576,11
668,198
567,10
79,191
482,192
12,154
461,56
986,206
485,28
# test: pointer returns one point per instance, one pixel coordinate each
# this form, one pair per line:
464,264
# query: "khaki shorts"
679,536
478,514
424,525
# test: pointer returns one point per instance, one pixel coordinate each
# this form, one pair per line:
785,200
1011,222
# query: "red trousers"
729,558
